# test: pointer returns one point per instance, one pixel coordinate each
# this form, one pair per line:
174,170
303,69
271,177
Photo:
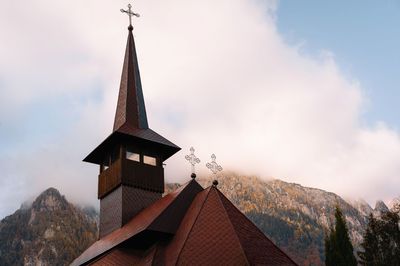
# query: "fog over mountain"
217,75
47,231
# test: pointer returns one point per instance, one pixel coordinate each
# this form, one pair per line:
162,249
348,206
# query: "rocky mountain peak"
362,206
50,200
394,203
50,232
380,207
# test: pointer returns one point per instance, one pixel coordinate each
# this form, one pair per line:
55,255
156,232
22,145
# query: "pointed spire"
131,110
130,123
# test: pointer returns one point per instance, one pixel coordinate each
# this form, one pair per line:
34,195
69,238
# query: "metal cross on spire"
213,165
192,160
130,13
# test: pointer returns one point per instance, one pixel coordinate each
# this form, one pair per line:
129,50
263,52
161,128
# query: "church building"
138,225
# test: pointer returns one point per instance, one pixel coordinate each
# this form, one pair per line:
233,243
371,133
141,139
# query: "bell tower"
131,158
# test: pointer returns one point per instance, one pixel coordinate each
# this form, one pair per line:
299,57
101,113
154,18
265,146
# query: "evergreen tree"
381,244
338,248
370,255
390,238
329,248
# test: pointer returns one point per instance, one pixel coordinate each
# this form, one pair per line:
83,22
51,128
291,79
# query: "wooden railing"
110,178
143,176
133,174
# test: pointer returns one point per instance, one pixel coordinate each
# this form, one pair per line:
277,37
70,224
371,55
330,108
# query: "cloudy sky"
303,92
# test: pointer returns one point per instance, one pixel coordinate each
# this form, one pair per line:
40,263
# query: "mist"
216,75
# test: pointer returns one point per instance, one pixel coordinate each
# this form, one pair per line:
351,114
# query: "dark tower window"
133,156
149,160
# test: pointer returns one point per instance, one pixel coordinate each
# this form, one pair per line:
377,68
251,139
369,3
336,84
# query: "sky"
365,38
304,91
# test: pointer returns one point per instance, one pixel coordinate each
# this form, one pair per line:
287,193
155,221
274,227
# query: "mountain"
294,217
49,231
380,207
362,206
394,203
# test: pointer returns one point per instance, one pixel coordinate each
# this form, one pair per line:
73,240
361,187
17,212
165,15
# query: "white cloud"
216,75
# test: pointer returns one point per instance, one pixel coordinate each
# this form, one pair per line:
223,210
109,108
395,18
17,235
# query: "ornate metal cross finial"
192,160
130,14
213,166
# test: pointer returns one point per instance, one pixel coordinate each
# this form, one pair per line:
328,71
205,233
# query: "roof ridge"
230,222
180,188
194,222
169,198
258,229
175,211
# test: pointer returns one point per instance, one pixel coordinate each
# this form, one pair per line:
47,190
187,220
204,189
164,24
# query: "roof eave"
96,156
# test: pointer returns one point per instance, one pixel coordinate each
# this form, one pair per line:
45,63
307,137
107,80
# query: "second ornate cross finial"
214,168
213,165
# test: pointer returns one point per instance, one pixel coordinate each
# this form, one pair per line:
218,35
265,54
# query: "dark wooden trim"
110,178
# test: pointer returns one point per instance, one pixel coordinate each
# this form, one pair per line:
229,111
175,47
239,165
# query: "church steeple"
131,159
131,110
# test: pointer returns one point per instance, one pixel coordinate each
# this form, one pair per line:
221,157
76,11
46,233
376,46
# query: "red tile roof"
145,220
212,238
198,226
127,256
215,232
258,248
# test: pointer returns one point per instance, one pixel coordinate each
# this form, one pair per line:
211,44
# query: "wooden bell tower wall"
119,206
125,188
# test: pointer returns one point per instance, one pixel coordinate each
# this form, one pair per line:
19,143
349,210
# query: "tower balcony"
127,172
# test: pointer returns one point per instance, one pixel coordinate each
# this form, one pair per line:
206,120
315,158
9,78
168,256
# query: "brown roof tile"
173,249
145,220
212,239
126,134
203,228
147,134
126,256
130,106
215,232
258,248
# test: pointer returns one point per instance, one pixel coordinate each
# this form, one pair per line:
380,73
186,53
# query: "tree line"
380,245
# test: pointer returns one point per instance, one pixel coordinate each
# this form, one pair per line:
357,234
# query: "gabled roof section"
191,226
163,216
131,110
258,248
208,235
215,232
